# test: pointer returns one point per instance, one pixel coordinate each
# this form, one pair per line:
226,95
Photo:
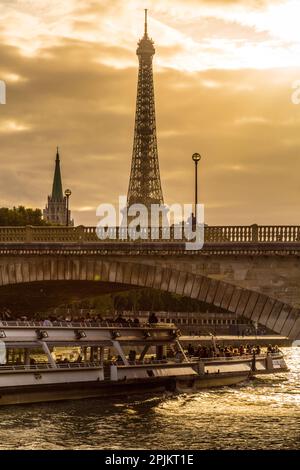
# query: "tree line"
21,216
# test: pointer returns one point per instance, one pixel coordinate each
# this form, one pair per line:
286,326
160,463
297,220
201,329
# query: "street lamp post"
256,327
196,157
68,193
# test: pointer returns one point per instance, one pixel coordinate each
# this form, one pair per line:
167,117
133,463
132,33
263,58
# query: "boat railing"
78,365
221,358
275,354
237,357
25,367
81,324
148,362
47,365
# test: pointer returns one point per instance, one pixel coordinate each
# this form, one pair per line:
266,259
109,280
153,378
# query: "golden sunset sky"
223,75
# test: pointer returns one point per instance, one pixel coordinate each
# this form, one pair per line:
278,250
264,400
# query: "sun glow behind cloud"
8,127
192,35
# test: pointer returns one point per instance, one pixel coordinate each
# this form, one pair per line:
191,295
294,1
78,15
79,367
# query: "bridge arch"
276,315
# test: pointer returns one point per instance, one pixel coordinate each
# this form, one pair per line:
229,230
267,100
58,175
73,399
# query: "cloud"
202,34
74,95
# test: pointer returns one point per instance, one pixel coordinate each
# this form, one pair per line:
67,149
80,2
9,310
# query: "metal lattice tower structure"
144,184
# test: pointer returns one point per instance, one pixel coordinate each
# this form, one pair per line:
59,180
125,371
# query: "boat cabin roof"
14,333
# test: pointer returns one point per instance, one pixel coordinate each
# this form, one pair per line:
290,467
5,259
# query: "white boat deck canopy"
14,334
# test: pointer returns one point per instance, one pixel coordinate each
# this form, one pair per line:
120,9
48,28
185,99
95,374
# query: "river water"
261,414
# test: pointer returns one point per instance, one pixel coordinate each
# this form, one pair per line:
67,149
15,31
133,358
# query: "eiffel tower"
144,184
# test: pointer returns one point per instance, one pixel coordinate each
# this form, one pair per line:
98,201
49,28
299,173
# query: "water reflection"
263,413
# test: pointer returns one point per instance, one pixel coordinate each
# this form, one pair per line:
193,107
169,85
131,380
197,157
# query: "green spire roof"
57,192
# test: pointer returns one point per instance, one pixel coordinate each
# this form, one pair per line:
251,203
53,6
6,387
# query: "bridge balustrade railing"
85,235
12,234
279,233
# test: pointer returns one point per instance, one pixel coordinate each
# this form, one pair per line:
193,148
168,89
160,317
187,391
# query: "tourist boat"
49,361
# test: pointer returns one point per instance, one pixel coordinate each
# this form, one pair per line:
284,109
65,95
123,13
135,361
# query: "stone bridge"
251,271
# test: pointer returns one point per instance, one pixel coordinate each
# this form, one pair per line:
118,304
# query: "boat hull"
79,390
108,389
210,381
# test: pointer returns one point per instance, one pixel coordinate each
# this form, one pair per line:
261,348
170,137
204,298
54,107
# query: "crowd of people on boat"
53,320
227,351
89,320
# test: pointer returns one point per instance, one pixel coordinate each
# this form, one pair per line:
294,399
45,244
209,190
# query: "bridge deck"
81,240
143,247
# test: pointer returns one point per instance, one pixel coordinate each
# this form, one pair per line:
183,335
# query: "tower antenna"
146,13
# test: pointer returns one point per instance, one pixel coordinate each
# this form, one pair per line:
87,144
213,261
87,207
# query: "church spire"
57,192
57,211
